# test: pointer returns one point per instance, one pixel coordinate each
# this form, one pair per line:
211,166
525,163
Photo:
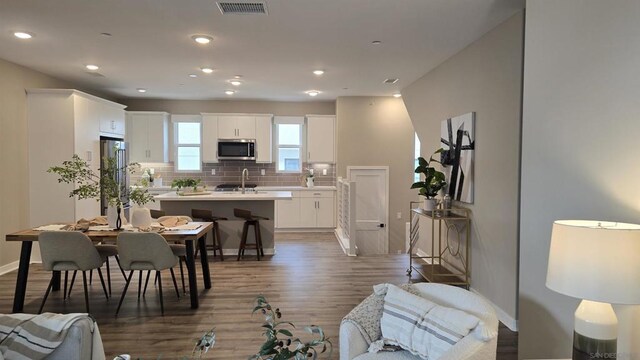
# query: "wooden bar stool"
207,215
250,220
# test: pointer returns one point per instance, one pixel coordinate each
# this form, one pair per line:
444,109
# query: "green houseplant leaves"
434,180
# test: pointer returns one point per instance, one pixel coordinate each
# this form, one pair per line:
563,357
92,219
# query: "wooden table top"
180,235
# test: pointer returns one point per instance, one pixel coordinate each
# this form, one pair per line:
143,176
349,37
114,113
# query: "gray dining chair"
145,251
70,251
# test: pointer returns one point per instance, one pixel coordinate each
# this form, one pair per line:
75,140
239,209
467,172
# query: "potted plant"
309,178
140,214
433,182
89,185
280,343
189,184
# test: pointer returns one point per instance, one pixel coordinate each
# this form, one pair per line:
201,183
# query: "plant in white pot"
89,185
432,183
140,214
188,184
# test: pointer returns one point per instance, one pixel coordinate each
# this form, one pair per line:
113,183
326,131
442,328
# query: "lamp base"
586,348
596,331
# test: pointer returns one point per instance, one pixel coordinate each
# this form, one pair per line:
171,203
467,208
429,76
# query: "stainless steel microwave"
236,149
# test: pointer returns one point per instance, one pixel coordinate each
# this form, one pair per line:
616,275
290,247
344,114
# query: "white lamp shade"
595,260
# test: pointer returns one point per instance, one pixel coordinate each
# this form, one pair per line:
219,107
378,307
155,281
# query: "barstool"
156,214
250,220
207,215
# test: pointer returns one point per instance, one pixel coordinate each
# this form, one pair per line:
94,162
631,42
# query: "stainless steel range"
235,187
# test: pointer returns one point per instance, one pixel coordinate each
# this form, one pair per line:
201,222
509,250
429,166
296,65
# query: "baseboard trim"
346,250
9,267
504,318
306,230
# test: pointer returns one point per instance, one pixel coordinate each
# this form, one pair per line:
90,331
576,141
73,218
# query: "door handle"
381,225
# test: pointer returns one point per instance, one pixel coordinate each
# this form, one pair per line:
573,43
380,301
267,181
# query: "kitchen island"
260,203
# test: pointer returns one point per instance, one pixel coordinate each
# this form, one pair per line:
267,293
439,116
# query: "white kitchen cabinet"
307,209
236,126
148,136
209,138
61,123
112,121
264,127
288,213
321,139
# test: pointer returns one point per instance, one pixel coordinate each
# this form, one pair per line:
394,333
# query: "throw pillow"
421,326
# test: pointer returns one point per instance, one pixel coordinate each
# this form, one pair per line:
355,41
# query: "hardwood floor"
309,279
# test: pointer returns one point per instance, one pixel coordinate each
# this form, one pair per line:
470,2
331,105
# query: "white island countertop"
227,196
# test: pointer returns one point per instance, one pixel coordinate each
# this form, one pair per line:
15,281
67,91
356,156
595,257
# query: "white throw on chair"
70,251
146,251
480,344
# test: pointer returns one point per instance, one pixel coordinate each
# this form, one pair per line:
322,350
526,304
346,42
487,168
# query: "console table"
449,246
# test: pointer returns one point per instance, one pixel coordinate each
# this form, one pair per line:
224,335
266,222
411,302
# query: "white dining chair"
70,251
146,251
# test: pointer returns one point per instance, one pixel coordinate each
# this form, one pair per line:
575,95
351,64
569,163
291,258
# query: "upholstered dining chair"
145,251
70,251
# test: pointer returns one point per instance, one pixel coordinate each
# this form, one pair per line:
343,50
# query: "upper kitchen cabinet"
264,127
321,139
236,126
112,122
62,123
209,138
148,136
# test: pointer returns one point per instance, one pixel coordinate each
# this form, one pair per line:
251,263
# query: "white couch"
354,343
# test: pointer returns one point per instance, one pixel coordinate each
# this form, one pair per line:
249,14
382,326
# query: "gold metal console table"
448,261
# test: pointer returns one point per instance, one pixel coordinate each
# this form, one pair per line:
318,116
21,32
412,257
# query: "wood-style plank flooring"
309,279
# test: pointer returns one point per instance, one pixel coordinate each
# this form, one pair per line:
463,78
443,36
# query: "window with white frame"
416,155
288,143
187,144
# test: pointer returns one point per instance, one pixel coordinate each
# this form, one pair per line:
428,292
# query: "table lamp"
598,262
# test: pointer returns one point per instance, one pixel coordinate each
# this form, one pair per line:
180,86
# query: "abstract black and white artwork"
457,140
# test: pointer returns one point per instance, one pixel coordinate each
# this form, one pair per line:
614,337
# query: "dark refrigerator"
113,148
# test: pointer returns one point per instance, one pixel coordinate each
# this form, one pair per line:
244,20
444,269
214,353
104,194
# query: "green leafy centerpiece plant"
280,343
433,181
188,184
89,184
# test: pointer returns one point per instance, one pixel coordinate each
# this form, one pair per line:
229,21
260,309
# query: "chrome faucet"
244,171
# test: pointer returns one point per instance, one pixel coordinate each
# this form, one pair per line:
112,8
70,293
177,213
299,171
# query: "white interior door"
372,208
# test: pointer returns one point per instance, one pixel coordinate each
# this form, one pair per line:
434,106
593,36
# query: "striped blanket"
27,336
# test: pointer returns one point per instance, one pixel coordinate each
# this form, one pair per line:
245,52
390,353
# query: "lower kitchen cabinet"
306,210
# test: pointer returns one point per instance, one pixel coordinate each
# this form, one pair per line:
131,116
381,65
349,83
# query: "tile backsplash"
230,172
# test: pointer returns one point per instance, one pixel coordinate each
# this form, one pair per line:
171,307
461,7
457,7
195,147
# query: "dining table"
190,237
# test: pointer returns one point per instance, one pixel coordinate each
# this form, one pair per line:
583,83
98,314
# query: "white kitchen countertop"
227,196
295,188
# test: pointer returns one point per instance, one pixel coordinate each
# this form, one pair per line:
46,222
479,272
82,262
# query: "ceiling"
151,47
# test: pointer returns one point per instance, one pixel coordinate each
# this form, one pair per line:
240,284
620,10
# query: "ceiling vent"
242,8
390,81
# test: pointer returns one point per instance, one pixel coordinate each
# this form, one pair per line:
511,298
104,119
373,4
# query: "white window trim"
175,119
288,120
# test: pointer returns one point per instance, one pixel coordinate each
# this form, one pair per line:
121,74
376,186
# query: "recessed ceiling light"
235,82
237,76
229,92
207,70
397,95
202,39
193,75
376,42
318,72
22,35
313,92
92,67
141,90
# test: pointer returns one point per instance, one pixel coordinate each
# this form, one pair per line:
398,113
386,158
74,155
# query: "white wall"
580,154
377,131
486,78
